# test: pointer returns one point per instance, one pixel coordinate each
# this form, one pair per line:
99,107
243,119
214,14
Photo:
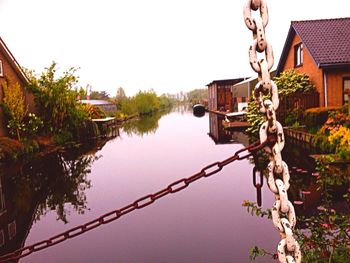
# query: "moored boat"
198,110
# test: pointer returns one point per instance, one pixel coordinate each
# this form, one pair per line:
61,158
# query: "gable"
10,67
327,42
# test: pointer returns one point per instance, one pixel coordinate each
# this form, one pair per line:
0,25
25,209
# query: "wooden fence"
300,101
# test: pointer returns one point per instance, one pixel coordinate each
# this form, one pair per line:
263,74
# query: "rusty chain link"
138,204
288,248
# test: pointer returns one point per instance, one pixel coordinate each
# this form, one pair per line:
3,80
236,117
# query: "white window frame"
1,69
345,92
298,53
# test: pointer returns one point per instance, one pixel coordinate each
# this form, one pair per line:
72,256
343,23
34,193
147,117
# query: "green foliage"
143,103
56,99
62,137
15,108
91,111
291,81
255,119
146,102
253,209
293,118
325,236
9,148
320,142
33,124
146,125
334,135
99,95
197,96
120,94
316,117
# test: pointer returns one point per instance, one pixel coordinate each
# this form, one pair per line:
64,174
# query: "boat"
236,120
198,110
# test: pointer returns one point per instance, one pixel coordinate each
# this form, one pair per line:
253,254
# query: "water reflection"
30,190
148,124
220,135
304,190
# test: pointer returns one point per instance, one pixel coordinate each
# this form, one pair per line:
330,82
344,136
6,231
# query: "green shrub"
291,81
63,137
316,117
322,143
9,148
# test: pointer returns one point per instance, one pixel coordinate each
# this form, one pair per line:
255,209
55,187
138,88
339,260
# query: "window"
298,55
346,87
1,69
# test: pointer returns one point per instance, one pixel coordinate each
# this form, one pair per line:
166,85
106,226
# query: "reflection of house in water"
29,190
15,220
220,135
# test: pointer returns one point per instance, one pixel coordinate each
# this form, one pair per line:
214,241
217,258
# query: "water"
203,223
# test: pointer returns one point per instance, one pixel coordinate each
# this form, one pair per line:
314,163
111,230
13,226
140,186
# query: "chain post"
288,248
258,185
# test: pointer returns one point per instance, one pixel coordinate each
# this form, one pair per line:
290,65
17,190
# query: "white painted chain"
283,213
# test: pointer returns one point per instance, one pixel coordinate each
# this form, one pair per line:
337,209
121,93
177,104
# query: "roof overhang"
335,66
13,62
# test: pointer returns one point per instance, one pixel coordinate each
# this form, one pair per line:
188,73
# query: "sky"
165,45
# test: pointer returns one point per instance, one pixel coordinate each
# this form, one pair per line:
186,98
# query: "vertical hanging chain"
283,213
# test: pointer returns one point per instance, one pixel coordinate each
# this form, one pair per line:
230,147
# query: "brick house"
220,94
11,72
321,49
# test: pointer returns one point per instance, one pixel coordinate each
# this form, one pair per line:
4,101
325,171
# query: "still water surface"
203,223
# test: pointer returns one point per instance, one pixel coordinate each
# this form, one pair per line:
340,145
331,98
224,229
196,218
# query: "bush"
321,142
9,148
340,139
291,81
56,100
255,119
316,117
63,137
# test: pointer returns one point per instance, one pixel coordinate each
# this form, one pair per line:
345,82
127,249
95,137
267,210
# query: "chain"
283,213
138,204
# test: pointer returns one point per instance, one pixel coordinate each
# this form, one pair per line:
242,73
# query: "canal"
203,223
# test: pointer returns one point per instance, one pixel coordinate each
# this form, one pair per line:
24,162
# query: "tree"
56,99
99,95
197,95
14,107
120,94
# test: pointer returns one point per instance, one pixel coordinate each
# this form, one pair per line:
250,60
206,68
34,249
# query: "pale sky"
165,45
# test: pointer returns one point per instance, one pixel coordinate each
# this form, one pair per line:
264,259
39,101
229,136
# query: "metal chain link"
288,248
138,204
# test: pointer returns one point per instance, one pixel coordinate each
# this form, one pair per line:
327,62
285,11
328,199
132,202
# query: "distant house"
220,94
11,72
321,49
242,91
105,106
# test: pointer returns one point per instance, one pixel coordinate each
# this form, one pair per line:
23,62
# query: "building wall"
212,97
309,67
335,85
11,75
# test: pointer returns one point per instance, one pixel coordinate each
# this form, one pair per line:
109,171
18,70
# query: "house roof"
96,102
13,62
226,81
327,41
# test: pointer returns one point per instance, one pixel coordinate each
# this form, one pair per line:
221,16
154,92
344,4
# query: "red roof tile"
327,40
